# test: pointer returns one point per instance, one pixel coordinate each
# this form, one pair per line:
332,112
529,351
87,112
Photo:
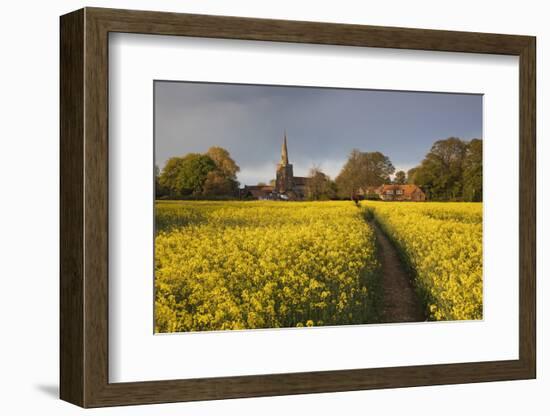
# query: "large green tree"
186,175
363,169
223,161
440,173
223,180
211,174
168,178
451,170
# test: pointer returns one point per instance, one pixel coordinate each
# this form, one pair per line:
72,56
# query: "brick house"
401,193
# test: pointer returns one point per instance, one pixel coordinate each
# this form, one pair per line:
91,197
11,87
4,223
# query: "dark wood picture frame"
84,207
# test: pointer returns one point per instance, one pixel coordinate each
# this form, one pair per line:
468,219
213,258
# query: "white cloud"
251,175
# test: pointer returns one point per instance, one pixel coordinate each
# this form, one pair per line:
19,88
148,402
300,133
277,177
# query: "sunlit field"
273,264
260,264
442,245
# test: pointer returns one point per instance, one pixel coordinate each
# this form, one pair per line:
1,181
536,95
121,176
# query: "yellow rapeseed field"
442,243
262,264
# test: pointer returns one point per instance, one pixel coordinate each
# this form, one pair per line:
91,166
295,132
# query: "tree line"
450,171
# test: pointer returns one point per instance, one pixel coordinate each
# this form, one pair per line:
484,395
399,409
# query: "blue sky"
323,124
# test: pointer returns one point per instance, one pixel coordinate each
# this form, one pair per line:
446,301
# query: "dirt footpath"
400,303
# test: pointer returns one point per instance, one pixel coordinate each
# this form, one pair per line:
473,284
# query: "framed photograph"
254,207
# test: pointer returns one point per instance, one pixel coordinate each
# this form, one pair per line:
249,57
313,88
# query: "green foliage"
216,184
451,171
473,171
194,171
193,175
400,178
361,170
440,173
224,164
411,176
168,179
160,190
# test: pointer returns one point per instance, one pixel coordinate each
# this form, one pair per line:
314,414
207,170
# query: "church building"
286,187
294,187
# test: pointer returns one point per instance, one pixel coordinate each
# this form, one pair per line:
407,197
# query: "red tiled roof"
408,190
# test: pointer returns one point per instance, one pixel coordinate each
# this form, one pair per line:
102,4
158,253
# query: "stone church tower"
284,181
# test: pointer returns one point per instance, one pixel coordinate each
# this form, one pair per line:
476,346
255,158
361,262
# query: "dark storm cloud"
323,124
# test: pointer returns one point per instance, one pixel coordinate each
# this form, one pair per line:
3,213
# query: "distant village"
450,171
290,187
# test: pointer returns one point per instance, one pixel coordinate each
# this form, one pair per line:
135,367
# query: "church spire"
284,152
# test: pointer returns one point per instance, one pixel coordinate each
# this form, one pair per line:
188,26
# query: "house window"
389,192
399,192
